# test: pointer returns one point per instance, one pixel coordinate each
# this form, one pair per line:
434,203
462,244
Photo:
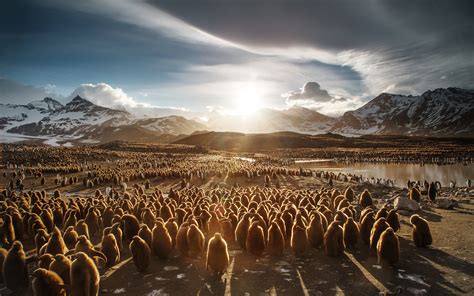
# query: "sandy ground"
446,268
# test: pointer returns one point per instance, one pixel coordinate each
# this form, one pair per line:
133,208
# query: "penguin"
196,240
255,242
276,240
315,231
161,244
146,234
70,237
241,231
421,231
388,247
432,190
217,256
45,260
393,220
334,240
82,228
350,233
85,246
110,249
3,255
182,239
85,278
131,226
349,194
379,226
92,221
62,266
41,238
141,253
47,283
172,227
366,227
15,271
299,240
415,194
56,244
365,199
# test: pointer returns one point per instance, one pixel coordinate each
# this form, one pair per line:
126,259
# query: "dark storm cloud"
336,24
404,46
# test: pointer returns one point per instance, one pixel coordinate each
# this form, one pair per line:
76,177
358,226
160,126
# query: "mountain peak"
440,112
79,99
48,104
78,104
306,112
448,91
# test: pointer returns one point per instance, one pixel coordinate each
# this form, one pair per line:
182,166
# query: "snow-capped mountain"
81,119
14,115
440,113
46,104
295,119
76,118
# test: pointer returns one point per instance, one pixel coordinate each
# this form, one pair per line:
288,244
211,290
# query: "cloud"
105,95
311,91
143,14
404,46
16,93
223,84
312,96
412,69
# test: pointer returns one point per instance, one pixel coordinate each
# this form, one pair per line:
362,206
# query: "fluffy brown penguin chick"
255,243
47,283
15,271
276,240
85,278
421,231
217,258
333,240
388,247
141,253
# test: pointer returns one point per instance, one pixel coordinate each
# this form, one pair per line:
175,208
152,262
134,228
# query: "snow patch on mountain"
442,112
81,119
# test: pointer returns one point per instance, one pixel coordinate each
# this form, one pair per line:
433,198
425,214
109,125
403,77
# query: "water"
398,172
245,158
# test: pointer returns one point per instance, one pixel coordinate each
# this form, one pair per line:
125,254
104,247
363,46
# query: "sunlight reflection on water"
399,172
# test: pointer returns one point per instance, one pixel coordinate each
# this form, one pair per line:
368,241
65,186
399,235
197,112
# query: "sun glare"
248,100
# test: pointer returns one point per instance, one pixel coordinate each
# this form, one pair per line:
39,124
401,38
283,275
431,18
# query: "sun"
248,100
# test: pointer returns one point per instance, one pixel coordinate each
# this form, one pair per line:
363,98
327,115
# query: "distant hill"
294,119
240,142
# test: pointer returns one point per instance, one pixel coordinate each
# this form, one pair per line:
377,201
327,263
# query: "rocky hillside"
441,113
80,119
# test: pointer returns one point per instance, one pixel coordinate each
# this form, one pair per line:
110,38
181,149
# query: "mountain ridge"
439,112
82,120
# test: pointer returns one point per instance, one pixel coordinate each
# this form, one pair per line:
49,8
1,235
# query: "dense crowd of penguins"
188,221
132,168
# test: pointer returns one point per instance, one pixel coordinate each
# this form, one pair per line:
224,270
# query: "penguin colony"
189,221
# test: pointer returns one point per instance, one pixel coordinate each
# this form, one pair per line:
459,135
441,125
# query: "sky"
190,56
